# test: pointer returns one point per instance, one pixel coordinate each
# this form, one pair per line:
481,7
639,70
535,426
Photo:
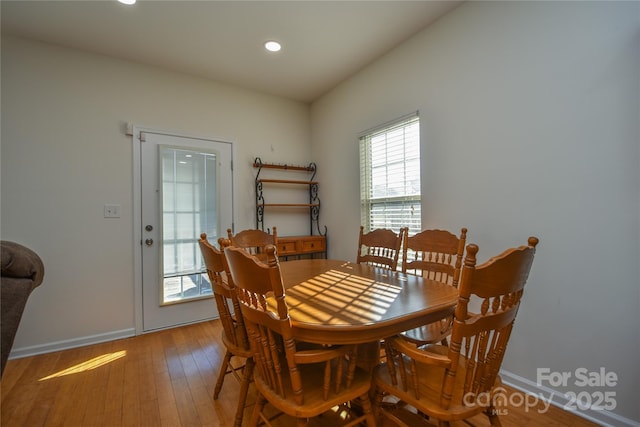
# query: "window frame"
394,210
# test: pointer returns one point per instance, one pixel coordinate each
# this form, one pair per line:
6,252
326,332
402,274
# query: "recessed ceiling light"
127,2
272,46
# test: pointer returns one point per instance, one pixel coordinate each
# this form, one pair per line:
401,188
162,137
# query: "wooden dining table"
339,302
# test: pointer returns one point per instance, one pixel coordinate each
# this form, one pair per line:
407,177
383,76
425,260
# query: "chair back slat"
253,241
434,254
380,247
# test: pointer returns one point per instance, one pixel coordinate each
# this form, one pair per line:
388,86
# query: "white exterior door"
186,189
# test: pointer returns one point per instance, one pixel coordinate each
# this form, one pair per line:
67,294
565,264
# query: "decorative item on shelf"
292,245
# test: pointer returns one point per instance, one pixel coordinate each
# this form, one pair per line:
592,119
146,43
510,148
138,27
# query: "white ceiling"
324,42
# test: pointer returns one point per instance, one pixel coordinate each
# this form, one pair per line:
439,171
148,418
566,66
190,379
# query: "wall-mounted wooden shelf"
292,245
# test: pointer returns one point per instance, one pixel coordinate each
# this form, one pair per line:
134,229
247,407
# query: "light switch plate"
112,211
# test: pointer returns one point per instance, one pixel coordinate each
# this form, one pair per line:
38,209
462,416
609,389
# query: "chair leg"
257,410
367,410
223,372
247,374
377,396
492,414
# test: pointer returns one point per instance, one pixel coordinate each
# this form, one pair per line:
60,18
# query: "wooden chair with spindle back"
253,241
300,382
234,335
380,247
436,255
460,381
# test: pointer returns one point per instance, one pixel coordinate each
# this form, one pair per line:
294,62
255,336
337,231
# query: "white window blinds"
390,176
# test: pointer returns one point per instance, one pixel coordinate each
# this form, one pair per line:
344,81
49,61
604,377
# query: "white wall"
65,154
530,126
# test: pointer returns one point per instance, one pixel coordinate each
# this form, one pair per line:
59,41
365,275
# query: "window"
390,176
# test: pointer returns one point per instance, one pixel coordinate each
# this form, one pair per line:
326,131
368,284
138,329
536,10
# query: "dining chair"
234,335
436,255
302,383
253,241
380,247
460,381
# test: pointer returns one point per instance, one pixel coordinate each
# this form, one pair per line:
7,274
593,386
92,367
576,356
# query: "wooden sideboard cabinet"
307,245
301,245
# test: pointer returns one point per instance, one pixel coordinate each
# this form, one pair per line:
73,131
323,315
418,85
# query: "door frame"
134,131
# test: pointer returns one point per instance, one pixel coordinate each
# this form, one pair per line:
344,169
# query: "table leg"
369,355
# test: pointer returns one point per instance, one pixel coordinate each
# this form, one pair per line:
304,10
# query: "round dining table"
339,302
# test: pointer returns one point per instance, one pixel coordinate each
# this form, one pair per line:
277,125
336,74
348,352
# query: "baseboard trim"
601,417
18,353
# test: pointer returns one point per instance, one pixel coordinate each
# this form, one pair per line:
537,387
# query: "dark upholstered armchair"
22,272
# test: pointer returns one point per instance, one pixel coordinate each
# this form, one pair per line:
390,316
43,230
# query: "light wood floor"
159,379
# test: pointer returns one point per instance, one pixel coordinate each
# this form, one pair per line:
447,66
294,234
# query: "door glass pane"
189,207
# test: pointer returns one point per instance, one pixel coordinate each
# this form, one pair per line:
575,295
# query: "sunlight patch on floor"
94,363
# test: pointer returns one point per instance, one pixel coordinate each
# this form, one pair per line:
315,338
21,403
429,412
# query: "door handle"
148,242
